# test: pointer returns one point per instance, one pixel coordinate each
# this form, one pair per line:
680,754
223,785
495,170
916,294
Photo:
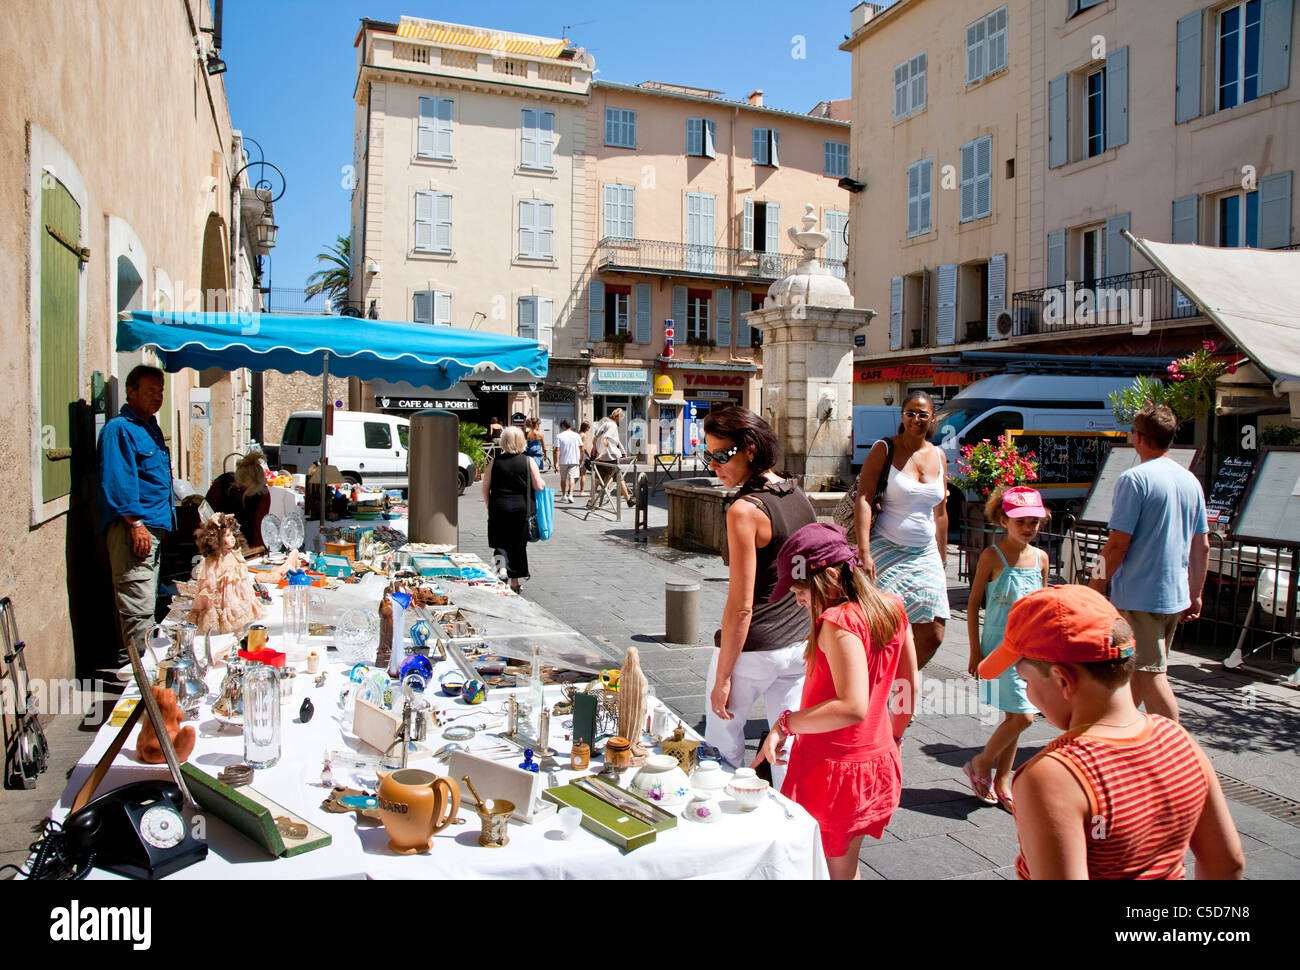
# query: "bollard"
681,612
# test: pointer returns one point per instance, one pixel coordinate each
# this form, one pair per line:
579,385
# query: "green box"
602,819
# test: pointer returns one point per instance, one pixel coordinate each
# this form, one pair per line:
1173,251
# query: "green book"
251,814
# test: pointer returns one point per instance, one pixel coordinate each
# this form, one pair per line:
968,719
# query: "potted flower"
982,468
616,342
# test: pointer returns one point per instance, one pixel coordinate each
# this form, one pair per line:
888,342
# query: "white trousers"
776,676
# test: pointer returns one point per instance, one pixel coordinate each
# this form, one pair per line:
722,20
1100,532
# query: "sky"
292,69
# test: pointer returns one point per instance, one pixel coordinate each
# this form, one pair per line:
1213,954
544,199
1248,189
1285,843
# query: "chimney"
860,14
756,98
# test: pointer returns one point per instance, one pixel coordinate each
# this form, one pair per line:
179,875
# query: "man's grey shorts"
1153,632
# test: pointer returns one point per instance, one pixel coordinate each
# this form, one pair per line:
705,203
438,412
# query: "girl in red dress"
844,764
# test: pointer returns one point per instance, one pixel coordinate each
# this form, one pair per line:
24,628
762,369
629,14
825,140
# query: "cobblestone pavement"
596,577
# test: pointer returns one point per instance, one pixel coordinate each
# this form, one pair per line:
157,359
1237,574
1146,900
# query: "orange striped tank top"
1145,796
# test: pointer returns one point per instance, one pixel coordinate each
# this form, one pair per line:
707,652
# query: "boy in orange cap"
1121,794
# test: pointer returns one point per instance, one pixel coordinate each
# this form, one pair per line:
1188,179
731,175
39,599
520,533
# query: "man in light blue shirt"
1156,555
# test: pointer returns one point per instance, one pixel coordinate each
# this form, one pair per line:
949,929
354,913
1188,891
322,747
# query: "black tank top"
785,622
511,483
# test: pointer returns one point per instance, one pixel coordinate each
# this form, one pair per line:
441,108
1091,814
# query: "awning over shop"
1253,295
435,356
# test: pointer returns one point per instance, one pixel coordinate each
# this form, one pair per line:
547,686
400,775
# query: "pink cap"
1021,502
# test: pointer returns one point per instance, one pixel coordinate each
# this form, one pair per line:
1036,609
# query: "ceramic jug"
413,805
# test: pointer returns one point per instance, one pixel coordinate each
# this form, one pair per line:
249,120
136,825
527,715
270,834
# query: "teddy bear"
147,749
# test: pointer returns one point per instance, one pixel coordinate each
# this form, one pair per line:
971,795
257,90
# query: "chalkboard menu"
1224,500
1270,512
1120,458
1067,458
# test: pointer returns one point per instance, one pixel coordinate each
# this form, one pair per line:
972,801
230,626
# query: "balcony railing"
683,259
1127,301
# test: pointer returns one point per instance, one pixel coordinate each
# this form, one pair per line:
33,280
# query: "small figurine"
633,699
528,764
226,600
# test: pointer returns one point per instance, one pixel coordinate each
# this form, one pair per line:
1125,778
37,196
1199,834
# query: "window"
536,226
618,310
697,315
701,137
1239,220
1092,254
700,232
432,222
620,128
404,435
1077,6
378,434
1238,54
909,86
536,315
986,46
434,136
620,205
1094,132
767,145
976,178
432,306
538,140
918,198
836,158
836,252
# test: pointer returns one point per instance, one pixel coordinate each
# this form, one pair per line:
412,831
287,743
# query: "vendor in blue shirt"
135,500
1156,555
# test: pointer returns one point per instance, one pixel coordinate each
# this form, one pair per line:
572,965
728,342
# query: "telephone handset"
136,830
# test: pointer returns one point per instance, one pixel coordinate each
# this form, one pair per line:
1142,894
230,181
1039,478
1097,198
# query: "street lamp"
266,230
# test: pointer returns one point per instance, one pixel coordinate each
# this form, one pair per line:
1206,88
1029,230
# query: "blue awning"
430,355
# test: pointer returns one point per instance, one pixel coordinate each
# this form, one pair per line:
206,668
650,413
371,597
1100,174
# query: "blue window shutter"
946,305
546,139
544,224
1275,211
747,227
694,136
426,138
528,154
896,313
1056,258
545,323
423,312
1117,98
723,298
1274,45
442,222
776,148
760,146
528,318
997,292
710,138
773,228
442,128
611,127
596,311
744,303
1185,218
527,229
1117,248
442,307
424,220
611,211
1058,143
643,313
679,312
1187,74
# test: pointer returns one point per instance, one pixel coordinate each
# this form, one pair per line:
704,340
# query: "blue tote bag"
544,503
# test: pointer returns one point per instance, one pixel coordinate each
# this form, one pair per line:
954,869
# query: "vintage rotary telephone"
136,830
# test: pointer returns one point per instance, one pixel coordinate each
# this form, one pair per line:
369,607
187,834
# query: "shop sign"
912,372
663,386
610,375
714,380
507,388
421,403
713,395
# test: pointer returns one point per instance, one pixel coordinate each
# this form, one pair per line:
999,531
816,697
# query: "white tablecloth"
758,844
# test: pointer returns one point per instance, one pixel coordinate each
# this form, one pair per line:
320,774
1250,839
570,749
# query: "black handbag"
534,534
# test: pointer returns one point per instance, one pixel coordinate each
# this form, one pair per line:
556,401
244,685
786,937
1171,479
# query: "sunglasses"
924,415
721,457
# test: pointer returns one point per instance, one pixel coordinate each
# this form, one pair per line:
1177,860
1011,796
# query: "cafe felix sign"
910,372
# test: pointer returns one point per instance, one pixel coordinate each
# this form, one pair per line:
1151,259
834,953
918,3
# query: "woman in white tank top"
905,549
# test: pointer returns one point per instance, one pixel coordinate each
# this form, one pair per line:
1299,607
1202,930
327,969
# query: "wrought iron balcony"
1128,301
709,262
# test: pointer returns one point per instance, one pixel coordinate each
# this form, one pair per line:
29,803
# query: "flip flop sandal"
982,787
1007,803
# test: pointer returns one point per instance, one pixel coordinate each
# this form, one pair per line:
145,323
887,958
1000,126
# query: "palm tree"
334,280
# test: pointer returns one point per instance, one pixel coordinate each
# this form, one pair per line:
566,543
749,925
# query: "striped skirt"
915,575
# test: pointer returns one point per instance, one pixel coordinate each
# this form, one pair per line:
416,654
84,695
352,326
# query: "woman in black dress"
508,484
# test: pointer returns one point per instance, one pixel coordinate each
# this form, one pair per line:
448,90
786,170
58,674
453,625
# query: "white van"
366,448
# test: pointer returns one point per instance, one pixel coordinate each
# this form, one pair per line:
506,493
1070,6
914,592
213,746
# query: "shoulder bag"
845,513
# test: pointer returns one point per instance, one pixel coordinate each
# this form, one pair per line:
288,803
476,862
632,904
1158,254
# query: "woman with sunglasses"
904,551
762,646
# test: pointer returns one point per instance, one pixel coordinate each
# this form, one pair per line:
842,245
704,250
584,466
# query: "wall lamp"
853,185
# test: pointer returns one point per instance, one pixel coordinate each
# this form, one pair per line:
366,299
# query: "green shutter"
60,285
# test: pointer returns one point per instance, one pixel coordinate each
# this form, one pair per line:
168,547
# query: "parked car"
367,448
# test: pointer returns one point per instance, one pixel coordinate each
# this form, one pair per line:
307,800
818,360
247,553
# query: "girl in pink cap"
844,766
1006,572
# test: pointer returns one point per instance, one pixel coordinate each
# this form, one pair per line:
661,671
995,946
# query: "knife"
621,802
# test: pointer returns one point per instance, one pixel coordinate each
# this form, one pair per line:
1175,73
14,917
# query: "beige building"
467,147
116,190
688,200
1171,119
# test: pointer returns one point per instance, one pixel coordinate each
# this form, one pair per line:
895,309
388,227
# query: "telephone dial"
136,830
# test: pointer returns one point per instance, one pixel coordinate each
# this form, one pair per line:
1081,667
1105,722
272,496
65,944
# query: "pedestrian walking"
508,486
1156,555
536,441
607,446
1005,573
567,458
905,548
844,764
763,636
1121,794
135,502
584,430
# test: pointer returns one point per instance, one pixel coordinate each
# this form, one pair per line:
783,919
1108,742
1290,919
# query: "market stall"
482,630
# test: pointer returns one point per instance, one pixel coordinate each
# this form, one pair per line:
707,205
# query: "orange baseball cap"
1059,624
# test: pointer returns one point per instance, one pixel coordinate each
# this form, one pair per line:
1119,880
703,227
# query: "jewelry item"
236,776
